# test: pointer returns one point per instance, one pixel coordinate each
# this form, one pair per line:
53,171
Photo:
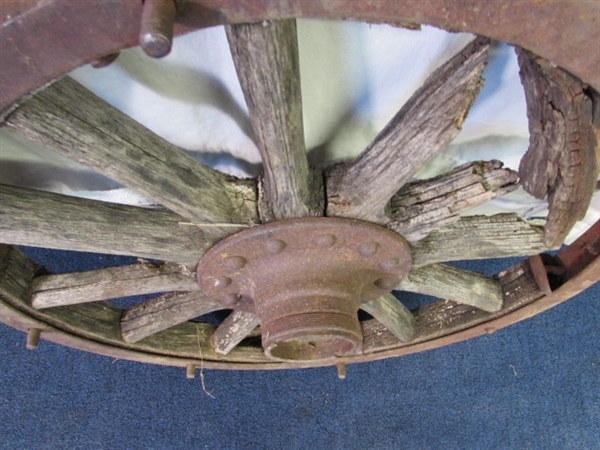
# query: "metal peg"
33,338
341,369
156,31
190,371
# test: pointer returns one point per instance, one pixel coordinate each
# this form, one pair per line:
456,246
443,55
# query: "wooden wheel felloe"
202,206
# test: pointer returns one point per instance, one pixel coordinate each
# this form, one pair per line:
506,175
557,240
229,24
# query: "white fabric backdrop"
355,77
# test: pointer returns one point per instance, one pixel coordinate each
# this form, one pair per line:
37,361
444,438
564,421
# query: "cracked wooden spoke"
424,206
451,283
114,282
424,126
393,315
266,59
69,119
480,237
163,312
442,318
42,219
564,130
234,329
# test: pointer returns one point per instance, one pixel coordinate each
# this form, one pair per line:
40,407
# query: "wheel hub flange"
306,279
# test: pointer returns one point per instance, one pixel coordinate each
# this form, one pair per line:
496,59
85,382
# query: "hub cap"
306,279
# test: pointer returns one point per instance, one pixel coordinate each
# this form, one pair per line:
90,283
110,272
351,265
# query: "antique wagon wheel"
285,265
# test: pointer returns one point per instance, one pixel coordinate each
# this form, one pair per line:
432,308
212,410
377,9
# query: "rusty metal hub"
306,279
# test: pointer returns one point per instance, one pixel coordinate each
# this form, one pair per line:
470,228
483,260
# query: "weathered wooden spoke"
451,283
430,119
115,282
163,312
234,329
480,237
564,130
442,318
393,315
69,119
424,206
266,60
42,219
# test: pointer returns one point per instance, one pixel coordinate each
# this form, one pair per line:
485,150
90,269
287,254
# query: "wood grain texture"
16,275
423,127
72,121
424,206
393,315
163,312
443,317
114,282
451,283
561,160
480,237
266,60
237,326
100,321
42,219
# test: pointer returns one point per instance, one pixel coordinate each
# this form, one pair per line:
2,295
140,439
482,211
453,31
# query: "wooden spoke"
480,237
97,325
393,315
451,283
42,219
266,59
421,129
446,317
69,119
233,330
164,312
423,206
115,282
561,160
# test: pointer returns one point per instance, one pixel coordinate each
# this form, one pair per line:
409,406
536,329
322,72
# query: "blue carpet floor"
535,385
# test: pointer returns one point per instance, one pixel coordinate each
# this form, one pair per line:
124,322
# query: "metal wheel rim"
584,267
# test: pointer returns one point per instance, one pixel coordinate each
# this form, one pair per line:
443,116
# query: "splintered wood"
424,206
430,119
564,128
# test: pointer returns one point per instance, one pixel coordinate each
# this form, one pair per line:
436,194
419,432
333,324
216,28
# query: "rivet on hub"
325,240
275,246
368,248
222,282
234,263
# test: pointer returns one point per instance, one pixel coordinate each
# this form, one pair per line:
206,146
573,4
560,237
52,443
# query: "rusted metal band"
102,28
